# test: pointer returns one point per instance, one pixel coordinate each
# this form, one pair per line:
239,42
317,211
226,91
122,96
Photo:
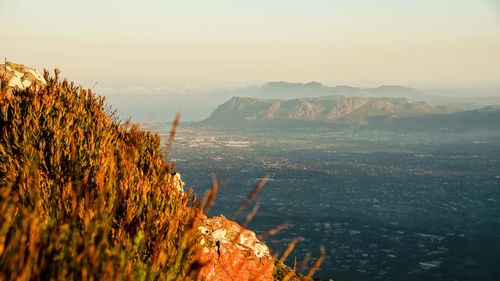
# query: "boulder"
231,252
19,76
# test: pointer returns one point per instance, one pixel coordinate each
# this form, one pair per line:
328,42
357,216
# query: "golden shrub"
85,196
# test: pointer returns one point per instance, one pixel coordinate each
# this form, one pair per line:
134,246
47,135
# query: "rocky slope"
331,109
231,251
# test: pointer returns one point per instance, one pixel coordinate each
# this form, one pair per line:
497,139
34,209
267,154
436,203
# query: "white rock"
219,235
20,76
177,182
203,230
260,250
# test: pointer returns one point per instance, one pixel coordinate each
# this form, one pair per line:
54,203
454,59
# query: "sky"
420,43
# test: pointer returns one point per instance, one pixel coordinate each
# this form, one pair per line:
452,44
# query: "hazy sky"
423,43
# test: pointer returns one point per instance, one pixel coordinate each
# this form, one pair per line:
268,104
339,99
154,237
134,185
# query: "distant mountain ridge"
288,90
330,109
377,113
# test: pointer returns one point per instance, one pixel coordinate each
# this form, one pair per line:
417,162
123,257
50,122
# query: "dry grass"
289,249
317,263
250,196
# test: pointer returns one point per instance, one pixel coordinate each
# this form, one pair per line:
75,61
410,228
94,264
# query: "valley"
387,206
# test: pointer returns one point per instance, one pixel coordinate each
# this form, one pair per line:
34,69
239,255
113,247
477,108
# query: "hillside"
333,109
84,196
486,118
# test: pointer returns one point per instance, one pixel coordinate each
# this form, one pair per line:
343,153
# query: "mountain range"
466,99
379,112
330,109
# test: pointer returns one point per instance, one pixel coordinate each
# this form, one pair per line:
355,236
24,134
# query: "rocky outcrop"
231,252
177,182
19,76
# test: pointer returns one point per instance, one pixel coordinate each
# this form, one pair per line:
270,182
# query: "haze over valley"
394,186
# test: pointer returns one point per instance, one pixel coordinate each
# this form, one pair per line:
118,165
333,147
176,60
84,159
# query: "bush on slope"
83,196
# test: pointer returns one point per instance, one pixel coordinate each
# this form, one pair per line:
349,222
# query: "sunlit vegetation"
84,196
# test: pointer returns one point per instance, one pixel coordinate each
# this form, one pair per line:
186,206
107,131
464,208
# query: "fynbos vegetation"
84,196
